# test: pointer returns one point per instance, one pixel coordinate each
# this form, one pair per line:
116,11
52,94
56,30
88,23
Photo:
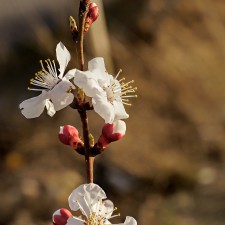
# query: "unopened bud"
92,15
61,216
69,135
73,28
112,132
91,140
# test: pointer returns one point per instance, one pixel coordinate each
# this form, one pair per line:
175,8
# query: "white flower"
88,198
108,94
55,89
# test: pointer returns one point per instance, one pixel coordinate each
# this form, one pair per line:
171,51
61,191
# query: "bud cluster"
69,135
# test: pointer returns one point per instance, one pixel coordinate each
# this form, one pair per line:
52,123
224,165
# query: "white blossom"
95,210
55,89
108,94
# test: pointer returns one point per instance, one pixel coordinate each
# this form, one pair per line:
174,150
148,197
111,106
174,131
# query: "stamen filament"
120,71
115,216
34,89
77,218
118,90
45,79
81,208
129,96
121,79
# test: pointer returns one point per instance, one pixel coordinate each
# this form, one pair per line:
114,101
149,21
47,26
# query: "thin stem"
83,10
89,161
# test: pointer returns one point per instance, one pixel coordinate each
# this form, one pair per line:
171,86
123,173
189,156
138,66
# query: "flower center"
117,90
98,213
98,218
46,79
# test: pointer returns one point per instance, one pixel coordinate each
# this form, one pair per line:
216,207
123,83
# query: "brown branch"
97,149
83,10
89,160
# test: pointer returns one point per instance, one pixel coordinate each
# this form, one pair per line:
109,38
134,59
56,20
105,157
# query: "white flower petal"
96,63
63,57
33,107
130,221
119,127
93,193
64,85
50,108
60,96
74,221
106,209
84,196
97,67
120,112
70,74
76,200
61,101
104,108
86,81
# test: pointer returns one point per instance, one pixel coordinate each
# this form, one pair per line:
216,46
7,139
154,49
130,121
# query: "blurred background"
169,169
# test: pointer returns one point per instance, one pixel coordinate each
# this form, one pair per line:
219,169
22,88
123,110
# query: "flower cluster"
109,94
90,200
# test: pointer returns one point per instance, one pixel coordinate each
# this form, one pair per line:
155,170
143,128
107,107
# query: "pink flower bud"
69,135
61,216
92,15
112,132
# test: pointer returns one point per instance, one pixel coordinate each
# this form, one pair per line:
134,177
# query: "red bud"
112,132
61,216
108,133
69,135
92,15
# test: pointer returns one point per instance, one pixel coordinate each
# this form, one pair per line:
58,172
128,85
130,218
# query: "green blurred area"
169,168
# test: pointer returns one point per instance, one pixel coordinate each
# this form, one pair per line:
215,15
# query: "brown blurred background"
169,168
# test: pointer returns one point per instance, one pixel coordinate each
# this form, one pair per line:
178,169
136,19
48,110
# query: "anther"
120,71
42,65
